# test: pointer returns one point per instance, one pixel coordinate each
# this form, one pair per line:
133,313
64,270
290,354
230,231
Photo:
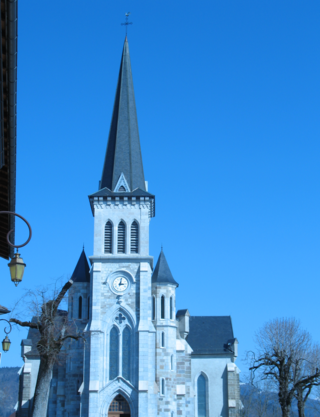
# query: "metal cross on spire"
126,23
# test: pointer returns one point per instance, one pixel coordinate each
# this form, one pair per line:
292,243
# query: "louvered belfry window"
108,237
134,237
122,237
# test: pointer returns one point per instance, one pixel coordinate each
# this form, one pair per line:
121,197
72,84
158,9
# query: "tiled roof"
210,334
162,273
123,150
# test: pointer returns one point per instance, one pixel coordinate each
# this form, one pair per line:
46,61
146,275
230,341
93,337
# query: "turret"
79,294
163,317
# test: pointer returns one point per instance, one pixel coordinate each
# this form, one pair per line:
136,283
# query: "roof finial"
83,247
161,247
126,23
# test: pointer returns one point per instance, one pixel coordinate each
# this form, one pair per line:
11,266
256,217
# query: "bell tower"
120,351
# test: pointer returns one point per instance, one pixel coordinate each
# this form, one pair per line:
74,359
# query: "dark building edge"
8,119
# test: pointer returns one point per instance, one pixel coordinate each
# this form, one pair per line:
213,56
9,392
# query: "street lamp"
16,264
6,341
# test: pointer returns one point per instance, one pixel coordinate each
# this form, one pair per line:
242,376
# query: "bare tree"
306,367
283,349
54,330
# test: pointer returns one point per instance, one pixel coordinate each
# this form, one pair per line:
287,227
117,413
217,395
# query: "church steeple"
123,155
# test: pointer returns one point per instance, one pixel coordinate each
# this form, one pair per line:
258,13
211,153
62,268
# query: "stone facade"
140,357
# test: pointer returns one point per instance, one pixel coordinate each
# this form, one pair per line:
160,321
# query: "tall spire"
123,151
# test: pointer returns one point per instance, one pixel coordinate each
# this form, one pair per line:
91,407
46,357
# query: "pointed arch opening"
171,308
114,354
126,349
108,237
135,237
163,340
202,396
80,308
88,307
119,407
162,307
153,308
71,308
162,386
122,237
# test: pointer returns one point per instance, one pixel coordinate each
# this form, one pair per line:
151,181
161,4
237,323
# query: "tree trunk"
285,411
301,408
41,396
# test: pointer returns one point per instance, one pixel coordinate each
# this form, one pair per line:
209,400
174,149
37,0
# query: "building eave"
8,119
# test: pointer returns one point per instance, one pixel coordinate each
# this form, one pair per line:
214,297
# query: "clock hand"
120,283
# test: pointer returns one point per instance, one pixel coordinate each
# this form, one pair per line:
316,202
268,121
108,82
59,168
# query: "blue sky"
227,95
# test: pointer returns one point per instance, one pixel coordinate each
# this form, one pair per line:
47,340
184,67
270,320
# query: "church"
141,357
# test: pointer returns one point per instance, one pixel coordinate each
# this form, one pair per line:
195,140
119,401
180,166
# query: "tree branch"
62,293
69,336
25,323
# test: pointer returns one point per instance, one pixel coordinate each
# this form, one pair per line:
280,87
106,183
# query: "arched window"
171,308
171,363
114,354
80,308
108,237
202,396
71,312
162,306
153,308
162,339
134,237
88,308
122,237
162,386
126,342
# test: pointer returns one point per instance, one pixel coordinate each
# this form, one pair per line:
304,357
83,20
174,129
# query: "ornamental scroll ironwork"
8,234
5,329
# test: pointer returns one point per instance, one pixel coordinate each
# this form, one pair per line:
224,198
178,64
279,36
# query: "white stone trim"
122,182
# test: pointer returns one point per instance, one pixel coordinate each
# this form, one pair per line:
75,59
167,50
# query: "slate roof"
4,310
105,192
81,272
162,273
182,313
123,151
210,334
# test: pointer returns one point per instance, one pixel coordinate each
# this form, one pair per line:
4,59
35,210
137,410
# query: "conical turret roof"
81,272
162,273
123,150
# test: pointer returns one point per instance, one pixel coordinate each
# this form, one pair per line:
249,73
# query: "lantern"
16,268
6,344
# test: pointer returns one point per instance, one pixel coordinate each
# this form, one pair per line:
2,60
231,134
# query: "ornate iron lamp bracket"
8,234
5,329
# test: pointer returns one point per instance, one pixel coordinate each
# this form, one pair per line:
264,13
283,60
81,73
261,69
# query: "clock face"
120,284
